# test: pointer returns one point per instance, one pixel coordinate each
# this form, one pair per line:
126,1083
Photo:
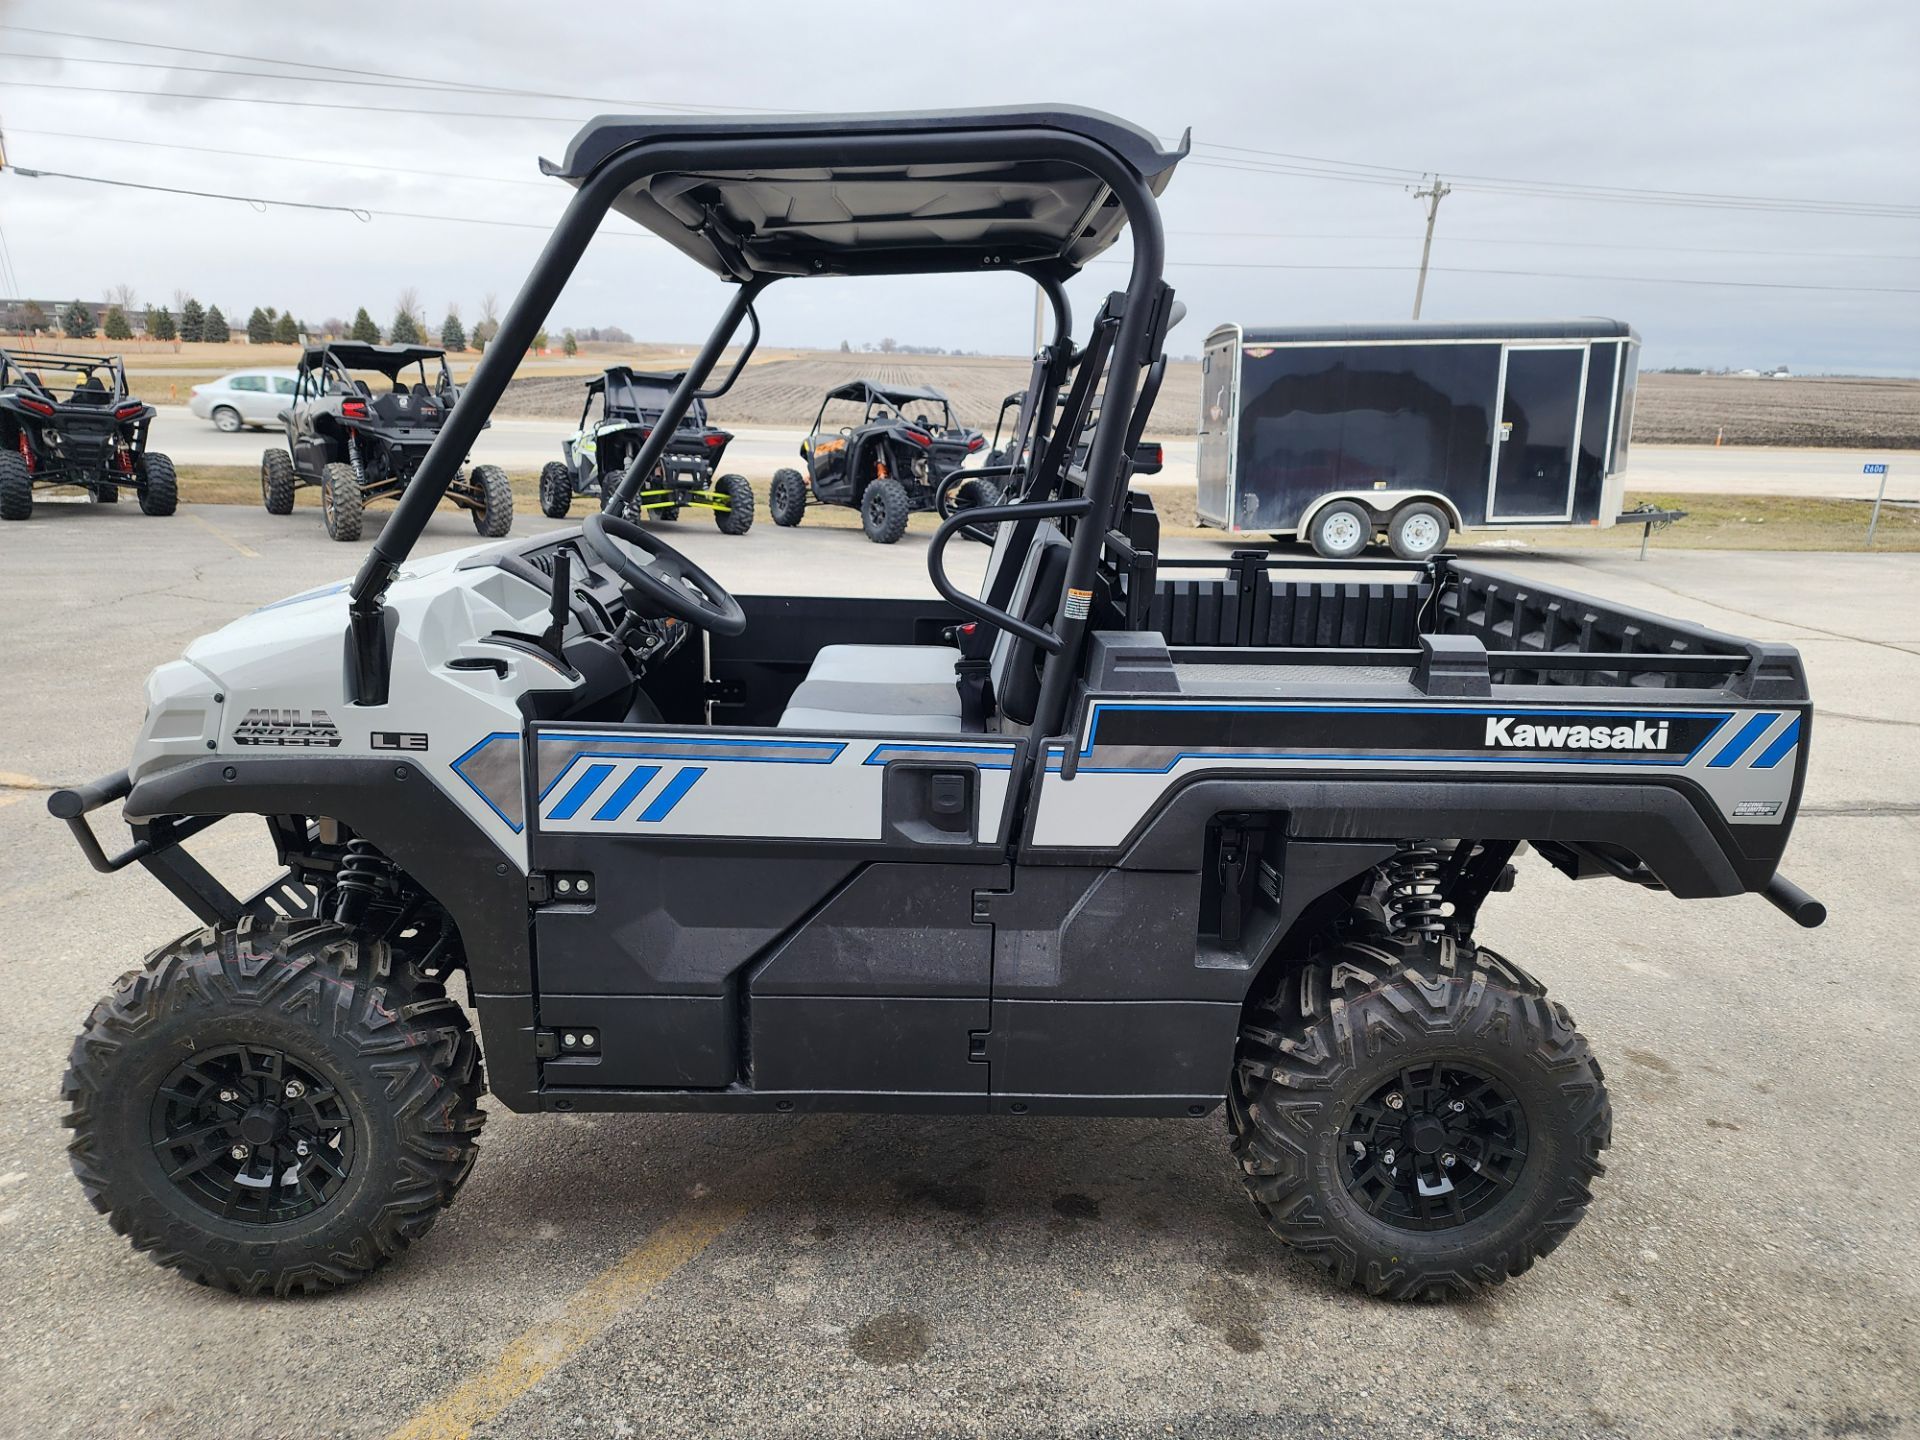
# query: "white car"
247,397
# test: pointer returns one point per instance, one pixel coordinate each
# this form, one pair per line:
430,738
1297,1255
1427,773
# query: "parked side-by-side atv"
361,436
863,451
68,420
630,403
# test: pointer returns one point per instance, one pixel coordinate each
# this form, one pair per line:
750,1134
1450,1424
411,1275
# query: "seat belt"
973,674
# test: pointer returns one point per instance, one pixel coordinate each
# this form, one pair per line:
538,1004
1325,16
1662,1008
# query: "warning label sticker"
1079,604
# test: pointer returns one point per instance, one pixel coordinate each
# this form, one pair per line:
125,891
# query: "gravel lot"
1749,1268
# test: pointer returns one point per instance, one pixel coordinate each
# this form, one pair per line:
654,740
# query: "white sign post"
1879,469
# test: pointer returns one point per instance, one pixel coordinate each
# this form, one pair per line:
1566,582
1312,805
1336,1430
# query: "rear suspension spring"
1415,904
364,875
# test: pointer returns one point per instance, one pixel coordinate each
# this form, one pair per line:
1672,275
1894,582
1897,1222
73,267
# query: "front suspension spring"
363,875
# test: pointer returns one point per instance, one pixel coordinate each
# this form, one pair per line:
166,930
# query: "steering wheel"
669,580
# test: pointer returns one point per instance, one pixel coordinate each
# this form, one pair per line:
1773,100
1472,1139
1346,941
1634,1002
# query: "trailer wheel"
1418,1118
884,510
556,490
273,1110
1418,531
787,497
16,487
493,517
341,503
159,487
1341,530
277,482
737,518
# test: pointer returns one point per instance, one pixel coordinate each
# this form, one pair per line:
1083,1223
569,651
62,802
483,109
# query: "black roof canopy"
893,394
668,378
388,360
862,204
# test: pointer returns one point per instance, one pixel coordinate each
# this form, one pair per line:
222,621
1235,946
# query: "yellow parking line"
591,1311
219,534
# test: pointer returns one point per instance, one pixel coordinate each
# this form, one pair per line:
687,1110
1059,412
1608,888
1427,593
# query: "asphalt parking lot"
1750,1266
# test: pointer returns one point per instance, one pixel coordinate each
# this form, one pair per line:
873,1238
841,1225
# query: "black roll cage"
14,372
1139,314
332,366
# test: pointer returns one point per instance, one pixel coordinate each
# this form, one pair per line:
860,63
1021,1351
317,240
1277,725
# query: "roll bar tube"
1048,640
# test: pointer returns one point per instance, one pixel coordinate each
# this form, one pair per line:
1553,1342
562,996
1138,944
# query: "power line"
1402,237
1532,275
449,86
291,104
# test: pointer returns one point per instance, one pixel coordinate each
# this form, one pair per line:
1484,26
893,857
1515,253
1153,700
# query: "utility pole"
1436,191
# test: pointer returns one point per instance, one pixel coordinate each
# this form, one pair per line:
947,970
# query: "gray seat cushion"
906,688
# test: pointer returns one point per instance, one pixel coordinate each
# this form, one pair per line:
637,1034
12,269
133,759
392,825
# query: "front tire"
737,518
494,517
1419,1119
277,482
556,490
16,487
342,506
274,1110
1341,530
159,487
787,498
884,510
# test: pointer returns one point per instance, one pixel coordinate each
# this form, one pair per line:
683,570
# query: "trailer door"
1542,388
1219,427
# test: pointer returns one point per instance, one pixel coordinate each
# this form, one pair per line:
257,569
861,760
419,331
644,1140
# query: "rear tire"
1418,531
884,510
159,487
227,420
556,490
1343,1113
342,506
787,498
16,487
353,1076
277,482
494,518
737,518
1341,530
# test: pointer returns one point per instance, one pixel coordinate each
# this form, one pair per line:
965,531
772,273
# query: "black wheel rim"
1436,1146
252,1134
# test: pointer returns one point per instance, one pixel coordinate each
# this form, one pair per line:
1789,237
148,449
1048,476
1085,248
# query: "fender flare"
1381,503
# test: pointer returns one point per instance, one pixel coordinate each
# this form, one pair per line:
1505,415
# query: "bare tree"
123,296
409,304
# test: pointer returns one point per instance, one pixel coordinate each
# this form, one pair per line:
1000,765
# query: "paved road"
1749,1268
757,451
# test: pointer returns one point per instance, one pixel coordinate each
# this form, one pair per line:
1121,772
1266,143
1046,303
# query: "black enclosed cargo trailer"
1336,434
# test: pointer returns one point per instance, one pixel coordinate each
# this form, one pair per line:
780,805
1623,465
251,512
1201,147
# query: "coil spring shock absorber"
1414,902
364,873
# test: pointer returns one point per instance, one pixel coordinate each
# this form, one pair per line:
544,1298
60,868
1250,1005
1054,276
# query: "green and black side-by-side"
1112,834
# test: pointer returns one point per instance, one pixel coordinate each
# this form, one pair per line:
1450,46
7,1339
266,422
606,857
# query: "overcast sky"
1800,102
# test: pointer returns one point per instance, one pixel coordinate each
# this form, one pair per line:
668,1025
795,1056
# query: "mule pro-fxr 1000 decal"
1133,754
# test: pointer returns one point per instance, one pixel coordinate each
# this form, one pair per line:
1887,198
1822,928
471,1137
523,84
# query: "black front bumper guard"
156,846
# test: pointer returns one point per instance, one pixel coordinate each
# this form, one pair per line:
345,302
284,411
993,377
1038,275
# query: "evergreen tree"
570,343
193,320
259,328
116,326
364,330
453,334
78,321
215,327
540,342
403,331
159,323
286,330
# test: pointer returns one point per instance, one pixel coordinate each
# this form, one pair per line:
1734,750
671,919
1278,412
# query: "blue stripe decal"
625,793
578,795
672,794
1741,743
1778,750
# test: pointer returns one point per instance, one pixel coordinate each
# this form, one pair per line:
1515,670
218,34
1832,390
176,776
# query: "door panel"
1534,444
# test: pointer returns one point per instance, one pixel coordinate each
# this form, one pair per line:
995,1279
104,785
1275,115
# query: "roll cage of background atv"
335,360
685,182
